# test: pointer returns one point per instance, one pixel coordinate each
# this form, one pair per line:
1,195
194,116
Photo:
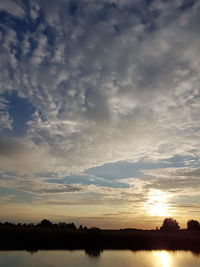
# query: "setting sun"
156,204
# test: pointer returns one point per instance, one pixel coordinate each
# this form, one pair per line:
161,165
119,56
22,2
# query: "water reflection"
94,253
196,253
99,258
163,258
32,251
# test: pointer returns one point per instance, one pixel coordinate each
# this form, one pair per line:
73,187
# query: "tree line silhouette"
46,223
48,235
169,224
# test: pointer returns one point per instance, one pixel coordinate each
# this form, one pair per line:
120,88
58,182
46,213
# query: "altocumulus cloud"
107,80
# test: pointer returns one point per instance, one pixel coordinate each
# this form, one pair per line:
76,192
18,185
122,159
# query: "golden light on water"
157,203
163,258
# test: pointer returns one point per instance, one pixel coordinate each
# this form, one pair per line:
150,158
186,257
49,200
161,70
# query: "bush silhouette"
170,224
193,225
45,223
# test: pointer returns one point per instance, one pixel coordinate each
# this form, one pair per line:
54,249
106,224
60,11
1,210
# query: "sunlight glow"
156,204
163,258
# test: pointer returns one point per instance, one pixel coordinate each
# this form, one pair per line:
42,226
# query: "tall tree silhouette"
193,225
170,224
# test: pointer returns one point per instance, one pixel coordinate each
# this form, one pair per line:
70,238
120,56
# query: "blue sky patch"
20,110
125,169
17,195
88,180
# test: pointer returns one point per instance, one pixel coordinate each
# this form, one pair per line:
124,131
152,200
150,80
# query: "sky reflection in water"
110,258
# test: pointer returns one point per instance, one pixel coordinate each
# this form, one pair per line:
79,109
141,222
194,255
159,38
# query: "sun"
159,209
156,204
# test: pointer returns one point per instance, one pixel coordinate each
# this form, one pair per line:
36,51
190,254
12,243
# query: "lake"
106,258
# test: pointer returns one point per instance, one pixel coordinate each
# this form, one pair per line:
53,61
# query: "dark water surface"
107,258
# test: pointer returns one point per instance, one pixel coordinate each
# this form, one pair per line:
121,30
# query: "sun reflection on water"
163,259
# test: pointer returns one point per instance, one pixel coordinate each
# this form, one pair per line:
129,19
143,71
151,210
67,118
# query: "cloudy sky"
100,111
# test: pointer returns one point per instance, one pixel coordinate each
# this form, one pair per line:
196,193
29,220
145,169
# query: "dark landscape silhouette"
48,235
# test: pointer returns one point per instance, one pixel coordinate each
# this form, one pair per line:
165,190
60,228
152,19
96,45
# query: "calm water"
120,258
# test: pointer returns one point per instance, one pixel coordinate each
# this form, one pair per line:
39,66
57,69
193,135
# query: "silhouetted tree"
193,225
93,233
62,224
45,223
170,224
71,226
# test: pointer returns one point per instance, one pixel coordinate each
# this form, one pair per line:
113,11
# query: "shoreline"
48,238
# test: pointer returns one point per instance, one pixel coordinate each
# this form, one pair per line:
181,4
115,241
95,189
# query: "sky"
100,111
